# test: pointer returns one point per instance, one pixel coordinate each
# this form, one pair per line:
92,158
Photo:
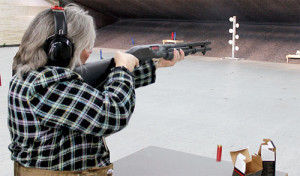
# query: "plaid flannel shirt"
58,122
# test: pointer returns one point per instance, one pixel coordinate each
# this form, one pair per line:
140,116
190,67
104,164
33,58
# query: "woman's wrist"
121,68
156,63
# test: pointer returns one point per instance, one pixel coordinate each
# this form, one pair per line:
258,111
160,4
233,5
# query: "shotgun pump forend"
95,73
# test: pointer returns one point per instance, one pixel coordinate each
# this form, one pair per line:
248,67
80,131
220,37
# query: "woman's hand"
178,56
127,60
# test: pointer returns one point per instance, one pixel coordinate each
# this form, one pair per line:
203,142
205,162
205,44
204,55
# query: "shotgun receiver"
146,52
95,73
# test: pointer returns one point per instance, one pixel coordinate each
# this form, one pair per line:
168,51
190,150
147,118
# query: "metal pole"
235,37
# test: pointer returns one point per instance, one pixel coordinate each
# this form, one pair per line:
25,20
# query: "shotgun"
95,73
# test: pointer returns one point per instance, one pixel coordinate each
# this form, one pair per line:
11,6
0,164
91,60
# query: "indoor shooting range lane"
269,30
198,104
257,42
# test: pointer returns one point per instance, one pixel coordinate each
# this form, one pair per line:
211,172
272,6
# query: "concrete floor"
199,103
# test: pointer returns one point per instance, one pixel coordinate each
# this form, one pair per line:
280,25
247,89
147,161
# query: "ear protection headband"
58,47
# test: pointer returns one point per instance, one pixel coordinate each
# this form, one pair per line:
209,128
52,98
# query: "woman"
58,122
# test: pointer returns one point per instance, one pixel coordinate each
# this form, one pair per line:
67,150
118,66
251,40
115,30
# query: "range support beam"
100,19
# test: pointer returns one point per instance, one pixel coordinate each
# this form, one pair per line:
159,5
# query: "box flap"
255,165
244,152
267,154
240,163
268,142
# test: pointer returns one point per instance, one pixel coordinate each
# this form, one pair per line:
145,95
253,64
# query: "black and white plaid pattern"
58,122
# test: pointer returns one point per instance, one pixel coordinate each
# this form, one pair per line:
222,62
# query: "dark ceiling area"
252,11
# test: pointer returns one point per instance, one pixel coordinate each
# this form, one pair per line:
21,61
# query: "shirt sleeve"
144,74
77,106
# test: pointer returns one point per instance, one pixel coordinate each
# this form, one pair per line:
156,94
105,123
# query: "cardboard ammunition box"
267,152
244,165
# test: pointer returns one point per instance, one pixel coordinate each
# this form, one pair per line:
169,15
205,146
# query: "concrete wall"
15,16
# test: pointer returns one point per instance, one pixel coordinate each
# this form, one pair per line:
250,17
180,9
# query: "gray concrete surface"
199,103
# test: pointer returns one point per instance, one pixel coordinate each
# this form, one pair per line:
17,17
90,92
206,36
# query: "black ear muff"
58,47
59,50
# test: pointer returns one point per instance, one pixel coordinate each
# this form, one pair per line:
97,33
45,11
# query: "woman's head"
31,54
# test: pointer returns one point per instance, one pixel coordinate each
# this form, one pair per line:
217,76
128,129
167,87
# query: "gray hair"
31,54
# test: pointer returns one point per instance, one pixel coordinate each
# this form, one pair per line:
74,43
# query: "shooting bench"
160,161
290,56
172,41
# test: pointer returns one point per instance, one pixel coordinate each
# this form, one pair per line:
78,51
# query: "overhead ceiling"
252,11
